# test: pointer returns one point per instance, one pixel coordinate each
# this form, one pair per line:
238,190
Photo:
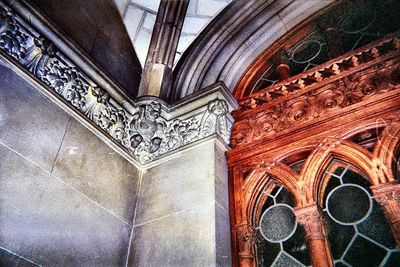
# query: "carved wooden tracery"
315,114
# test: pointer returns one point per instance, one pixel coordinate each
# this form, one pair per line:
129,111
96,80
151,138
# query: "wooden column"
283,69
245,236
388,196
310,217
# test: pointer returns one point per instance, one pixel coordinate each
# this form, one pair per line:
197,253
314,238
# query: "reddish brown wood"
355,93
310,218
388,196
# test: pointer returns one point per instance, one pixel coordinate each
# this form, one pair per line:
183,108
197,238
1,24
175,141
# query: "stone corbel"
144,131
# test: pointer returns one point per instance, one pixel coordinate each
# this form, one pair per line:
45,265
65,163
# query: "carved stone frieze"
151,135
290,112
147,131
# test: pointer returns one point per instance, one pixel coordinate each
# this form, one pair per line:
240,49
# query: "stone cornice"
144,131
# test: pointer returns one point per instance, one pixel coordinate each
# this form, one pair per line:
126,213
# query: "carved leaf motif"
12,39
146,134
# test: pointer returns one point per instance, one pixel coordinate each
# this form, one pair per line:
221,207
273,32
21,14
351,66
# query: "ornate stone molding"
147,131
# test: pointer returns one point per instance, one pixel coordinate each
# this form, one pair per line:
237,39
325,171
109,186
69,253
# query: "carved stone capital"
153,131
310,217
245,235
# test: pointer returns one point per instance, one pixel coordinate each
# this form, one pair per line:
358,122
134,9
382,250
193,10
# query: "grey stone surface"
44,220
8,259
179,219
29,122
103,37
221,178
93,168
300,9
182,239
177,184
222,236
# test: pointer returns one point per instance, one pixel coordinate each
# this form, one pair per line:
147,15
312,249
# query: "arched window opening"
357,230
279,238
344,27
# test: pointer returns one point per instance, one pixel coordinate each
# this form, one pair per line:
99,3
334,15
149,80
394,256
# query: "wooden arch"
258,179
325,152
387,147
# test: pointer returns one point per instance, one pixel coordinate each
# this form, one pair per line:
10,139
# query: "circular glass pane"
278,223
348,204
306,51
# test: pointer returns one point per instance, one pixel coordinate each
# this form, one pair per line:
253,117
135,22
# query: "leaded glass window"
279,239
357,231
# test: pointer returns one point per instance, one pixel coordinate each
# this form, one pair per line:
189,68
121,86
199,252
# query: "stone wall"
66,198
98,29
182,216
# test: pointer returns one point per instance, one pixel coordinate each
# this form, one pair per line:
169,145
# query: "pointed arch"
325,152
387,147
261,175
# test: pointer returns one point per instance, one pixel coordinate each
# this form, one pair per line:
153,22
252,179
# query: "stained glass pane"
279,240
296,246
357,230
348,203
339,236
377,228
278,223
286,261
394,260
364,253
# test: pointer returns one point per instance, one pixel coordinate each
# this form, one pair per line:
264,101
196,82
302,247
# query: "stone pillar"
156,78
182,212
310,218
388,196
245,236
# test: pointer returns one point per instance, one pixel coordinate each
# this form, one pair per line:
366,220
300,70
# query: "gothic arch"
387,147
234,39
325,152
258,179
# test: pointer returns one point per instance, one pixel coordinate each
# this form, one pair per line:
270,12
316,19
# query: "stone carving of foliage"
145,134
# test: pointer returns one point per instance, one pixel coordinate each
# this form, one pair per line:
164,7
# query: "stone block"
87,164
29,123
184,238
222,236
8,259
177,184
44,220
